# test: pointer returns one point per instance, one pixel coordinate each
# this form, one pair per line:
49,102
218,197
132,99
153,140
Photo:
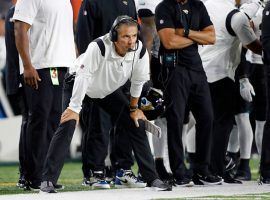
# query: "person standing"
220,61
265,38
182,25
45,42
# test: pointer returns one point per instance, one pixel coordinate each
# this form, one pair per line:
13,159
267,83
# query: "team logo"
82,66
161,21
186,12
125,2
85,12
267,13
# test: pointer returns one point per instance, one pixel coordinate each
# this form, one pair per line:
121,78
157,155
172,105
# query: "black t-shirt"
96,18
170,14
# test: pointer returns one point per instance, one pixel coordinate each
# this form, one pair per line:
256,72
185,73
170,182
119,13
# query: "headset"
122,20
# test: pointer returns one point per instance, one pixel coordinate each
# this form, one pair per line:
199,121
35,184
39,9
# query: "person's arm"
135,112
171,39
86,65
203,37
241,26
31,76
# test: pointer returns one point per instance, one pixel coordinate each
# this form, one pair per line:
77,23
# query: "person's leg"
245,142
265,157
176,95
222,93
85,119
22,143
117,105
39,103
200,105
60,142
259,82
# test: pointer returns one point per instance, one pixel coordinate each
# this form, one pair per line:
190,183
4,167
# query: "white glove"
246,89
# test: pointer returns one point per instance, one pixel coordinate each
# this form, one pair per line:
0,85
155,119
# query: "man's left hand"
136,115
69,115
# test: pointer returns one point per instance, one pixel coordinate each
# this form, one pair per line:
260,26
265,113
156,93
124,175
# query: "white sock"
184,136
159,143
191,140
259,135
233,145
245,134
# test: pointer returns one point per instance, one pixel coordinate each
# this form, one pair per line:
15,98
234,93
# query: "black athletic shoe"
21,182
244,175
207,179
159,185
229,163
47,187
228,179
264,180
29,186
86,181
183,182
58,186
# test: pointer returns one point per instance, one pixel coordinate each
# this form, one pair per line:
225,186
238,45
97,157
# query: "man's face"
127,36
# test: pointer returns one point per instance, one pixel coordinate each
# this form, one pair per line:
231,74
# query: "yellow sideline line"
8,184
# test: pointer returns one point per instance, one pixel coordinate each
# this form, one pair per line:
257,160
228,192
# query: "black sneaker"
264,180
244,175
29,186
47,187
229,163
183,182
229,179
21,182
58,186
159,185
207,179
86,181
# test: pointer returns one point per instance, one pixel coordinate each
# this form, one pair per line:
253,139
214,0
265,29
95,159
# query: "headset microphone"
136,47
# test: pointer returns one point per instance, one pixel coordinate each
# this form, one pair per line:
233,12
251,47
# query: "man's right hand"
31,77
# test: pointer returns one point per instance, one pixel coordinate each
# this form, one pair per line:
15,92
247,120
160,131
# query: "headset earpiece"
121,20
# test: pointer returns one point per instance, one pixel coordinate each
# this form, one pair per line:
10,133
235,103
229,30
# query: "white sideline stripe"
142,194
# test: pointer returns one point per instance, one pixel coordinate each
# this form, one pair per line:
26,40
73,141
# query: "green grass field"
71,177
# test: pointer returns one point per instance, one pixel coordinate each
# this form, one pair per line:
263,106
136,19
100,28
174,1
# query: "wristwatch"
133,108
186,33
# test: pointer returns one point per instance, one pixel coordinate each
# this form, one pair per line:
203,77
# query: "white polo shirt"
51,34
221,59
98,76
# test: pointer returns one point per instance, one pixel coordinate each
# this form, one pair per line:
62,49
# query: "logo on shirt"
125,2
85,12
186,12
82,66
161,21
267,13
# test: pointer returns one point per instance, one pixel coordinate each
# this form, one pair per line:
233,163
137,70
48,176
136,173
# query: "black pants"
95,124
188,87
44,114
265,157
223,101
117,105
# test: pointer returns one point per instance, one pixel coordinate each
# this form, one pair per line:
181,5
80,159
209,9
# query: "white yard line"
138,194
